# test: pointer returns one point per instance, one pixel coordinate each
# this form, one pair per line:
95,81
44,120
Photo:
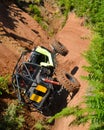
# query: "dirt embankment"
18,31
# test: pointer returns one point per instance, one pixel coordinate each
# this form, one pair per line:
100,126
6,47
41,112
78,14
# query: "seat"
36,98
39,96
47,55
41,88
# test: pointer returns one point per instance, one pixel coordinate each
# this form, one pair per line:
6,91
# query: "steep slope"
18,31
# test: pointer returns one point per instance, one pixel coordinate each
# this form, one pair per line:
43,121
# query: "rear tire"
60,48
69,82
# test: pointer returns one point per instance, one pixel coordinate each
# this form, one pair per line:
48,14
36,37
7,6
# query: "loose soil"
18,32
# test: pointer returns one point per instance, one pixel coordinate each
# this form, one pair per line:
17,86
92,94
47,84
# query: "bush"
11,120
95,94
4,84
34,9
65,6
76,111
39,126
65,112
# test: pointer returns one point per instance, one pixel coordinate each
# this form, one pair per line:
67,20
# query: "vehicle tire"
68,81
59,48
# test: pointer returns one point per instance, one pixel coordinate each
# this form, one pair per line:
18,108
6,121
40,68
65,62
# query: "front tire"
59,48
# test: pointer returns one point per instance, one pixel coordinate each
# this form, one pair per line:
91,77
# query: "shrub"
76,111
34,9
4,84
11,120
65,6
39,126
95,97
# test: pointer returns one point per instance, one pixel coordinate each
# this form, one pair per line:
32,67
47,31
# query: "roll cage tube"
46,53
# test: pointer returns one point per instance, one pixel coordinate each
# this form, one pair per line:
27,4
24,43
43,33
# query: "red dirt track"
76,38
27,33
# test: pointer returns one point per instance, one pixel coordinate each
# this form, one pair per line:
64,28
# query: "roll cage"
28,79
42,56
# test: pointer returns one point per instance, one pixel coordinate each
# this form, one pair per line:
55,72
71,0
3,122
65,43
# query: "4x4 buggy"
33,78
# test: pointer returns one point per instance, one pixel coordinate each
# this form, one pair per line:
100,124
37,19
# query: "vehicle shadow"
59,102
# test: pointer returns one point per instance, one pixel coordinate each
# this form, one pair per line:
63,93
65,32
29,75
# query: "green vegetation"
95,94
4,84
12,119
65,112
41,125
34,10
65,6
92,10
45,12
77,112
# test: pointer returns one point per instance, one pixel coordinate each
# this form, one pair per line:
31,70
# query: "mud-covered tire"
59,48
68,81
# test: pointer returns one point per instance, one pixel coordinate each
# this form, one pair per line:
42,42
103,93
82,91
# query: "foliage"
92,10
95,57
35,12
34,9
77,112
99,19
12,118
38,10
41,125
65,112
65,6
37,1
4,84
95,98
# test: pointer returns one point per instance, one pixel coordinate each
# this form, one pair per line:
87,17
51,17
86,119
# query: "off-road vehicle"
33,78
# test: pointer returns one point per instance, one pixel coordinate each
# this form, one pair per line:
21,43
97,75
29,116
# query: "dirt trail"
18,31
76,38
